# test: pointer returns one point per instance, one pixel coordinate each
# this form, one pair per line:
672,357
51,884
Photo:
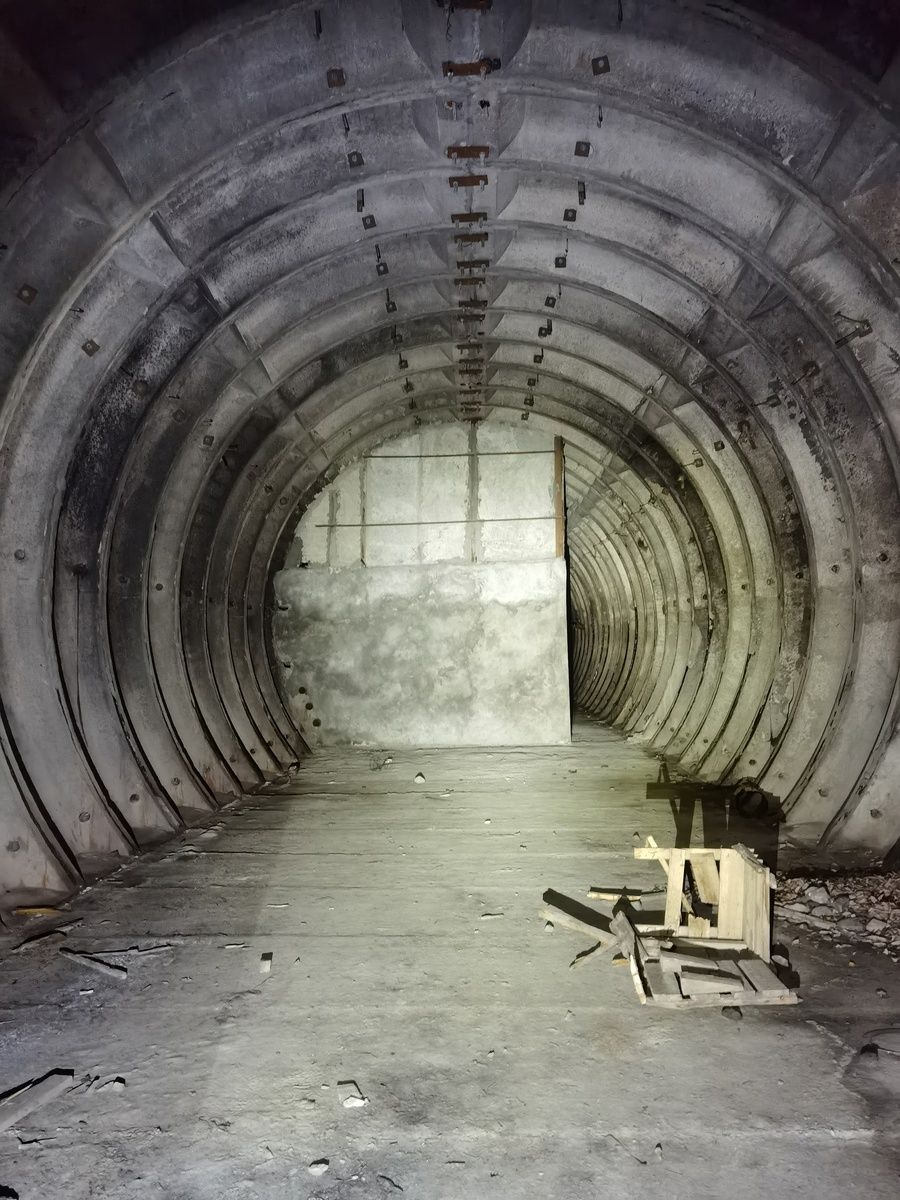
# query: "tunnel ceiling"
233,261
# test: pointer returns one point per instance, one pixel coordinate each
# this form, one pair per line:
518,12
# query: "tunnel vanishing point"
243,244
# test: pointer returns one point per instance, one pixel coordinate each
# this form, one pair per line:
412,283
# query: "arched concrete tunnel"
242,245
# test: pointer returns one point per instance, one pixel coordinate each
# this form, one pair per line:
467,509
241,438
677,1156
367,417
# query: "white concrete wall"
423,602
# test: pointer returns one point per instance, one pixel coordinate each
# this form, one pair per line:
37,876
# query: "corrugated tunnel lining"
256,260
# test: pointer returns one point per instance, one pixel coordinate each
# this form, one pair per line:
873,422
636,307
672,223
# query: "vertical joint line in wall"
362,510
419,481
473,527
332,522
559,497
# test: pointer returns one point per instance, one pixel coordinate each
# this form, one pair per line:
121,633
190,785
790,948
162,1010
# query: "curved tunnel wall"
229,269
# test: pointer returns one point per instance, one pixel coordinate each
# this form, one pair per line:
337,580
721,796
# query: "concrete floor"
490,1069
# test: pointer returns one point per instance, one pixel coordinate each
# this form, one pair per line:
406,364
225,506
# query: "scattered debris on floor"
710,946
95,964
32,1096
844,907
350,1094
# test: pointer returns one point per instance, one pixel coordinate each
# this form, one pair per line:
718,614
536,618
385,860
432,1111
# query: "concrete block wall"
423,601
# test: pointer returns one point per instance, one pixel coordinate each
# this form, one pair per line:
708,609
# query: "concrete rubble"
846,908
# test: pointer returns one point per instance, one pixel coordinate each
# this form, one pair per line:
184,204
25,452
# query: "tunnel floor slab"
410,970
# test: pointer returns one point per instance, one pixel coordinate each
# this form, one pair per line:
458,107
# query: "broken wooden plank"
33,1096
592,954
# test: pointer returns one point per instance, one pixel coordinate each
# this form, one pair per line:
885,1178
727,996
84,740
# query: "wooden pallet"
716,894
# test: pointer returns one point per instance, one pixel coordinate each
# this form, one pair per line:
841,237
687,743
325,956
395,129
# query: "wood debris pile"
710,946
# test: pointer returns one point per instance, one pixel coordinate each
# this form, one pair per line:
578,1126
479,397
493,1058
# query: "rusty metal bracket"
471,303
471,218
483,66
862,329
479,152
468,239
469,280
472,264
468,181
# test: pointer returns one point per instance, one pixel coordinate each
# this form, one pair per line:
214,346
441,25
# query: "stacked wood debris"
711,944
846,908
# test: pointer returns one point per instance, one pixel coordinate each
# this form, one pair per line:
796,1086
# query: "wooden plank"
695,956
33,1096
716,944
593,953
95,964
661,983
583,913
761,977
556,917
630,894
731,896
696,982
658,853
675,889
706,877
559,496
739,999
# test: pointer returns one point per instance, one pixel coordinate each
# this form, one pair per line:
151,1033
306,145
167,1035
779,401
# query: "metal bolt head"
26,293
19,555
84,817
90,347
600,65
571,214
368,222
355,158
582,149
